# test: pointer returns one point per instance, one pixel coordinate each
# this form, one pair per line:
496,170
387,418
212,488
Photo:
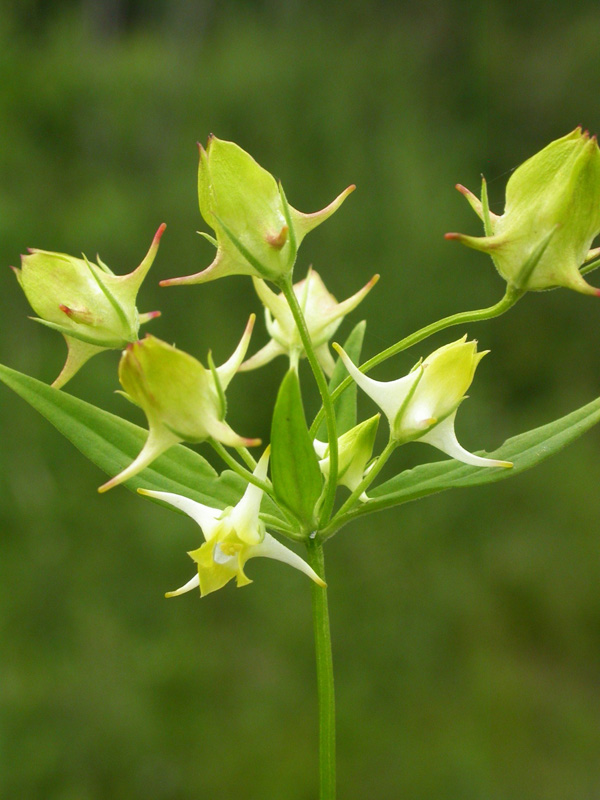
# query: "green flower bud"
355,448
94,309
257,232
233,536
183,400
323,315
551,217
422,405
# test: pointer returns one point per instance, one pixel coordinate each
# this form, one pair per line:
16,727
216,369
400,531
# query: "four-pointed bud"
183,400
323,315
355,448
233,536
257,232
551,217
422,405
94,309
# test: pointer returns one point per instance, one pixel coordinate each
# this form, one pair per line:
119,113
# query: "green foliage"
112,443
524,451
297,479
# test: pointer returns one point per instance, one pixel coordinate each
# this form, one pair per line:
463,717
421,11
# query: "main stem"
320,612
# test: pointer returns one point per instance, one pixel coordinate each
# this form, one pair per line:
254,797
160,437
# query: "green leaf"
112,443
297,479
525,451
345,405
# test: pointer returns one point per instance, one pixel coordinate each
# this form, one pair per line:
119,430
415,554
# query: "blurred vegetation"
466,628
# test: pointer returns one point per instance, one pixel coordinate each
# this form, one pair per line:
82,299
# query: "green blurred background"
467,627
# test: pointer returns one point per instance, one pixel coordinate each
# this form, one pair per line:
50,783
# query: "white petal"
271,548
444,438
187,587
389,395
267,353
276,303
206,517
244,517
227,370
158,442
320,447
325,358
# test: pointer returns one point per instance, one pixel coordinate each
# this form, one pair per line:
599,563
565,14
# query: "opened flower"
92,307
183,400
323,315
233,536
422,405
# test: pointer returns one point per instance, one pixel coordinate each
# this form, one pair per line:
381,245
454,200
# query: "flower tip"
108,485
161,229
451,236
251,442
174,281
505,464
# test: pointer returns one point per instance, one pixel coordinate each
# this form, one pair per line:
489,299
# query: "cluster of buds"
541,241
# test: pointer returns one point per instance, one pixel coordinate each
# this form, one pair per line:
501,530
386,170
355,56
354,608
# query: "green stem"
239,469
247,457
328,409
320,612
462,318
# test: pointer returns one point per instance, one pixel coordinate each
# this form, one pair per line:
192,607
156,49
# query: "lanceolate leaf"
297,479
345,405
112,443
525,451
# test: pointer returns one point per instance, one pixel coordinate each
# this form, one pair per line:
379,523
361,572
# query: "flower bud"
257,232
551,217
94,309
233,536
323,315
183,401
355,448
422,405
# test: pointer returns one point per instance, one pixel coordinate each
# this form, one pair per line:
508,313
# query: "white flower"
323,315
422,405
233,536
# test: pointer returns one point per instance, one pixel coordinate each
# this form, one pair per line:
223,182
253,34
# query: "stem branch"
462,318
